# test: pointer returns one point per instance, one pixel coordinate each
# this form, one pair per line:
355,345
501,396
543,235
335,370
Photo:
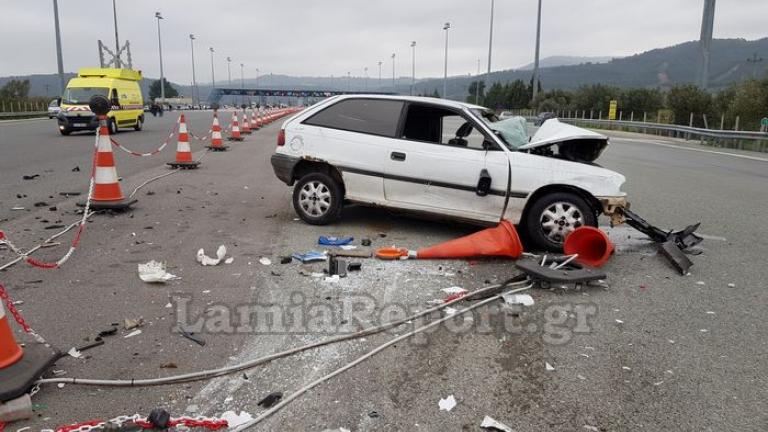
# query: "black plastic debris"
76,169
30,177
286,260
336,266
159,418
111,332
354,266
271,399
192,337
41,204
365,242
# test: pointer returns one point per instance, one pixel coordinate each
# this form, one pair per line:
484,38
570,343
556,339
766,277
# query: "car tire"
553,216
112,126
317,198
65,132
139,124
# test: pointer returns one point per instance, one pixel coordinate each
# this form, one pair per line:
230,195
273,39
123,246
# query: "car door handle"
397,156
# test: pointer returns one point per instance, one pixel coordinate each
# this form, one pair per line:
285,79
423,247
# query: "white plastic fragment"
234,420
154,272
229,260
205,260
450,311
548,366
454,290
332,279
447,404
489,423
626,368
265,261
517,299
731,285
618,321
73,352
132,334
700,283
348,247
591,428
60,385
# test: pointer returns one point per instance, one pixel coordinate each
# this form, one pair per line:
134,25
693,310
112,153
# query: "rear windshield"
372,116
81,95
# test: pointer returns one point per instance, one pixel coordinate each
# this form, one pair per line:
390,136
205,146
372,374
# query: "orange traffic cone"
107,194
246,129
19,368
254,121
10,351
235,134
501,240
216,142
183,151
591,244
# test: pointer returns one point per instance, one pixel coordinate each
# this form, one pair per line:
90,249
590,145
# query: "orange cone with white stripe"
246,129
107,194
235,133
10,351
254,120
216,141
183,150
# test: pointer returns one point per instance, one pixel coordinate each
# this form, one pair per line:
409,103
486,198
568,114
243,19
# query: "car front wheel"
139,124
317,198
112,126
553,216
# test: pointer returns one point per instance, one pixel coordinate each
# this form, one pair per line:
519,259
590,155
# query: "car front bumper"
78,122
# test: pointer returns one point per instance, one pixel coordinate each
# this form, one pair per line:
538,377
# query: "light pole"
194,81
257,83
160,47
213,73
242,81
490,44
445,77
117,41
393,72
413,65
229,75
349,82
59,59
380,63
477,84
365,72
536,56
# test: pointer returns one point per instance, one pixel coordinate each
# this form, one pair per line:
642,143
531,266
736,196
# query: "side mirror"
488,145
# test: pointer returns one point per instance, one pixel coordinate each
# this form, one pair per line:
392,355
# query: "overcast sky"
332,37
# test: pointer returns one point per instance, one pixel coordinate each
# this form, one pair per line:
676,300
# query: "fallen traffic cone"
216,143
591,245
107,194
246,129
235,133
19,368
501,240
183,151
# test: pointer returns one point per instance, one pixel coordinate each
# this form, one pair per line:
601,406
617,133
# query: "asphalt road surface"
651,351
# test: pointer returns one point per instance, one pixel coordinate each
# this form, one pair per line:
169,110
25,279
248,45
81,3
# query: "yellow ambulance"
119,86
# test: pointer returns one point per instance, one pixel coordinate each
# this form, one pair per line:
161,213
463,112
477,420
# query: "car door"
436,163
353,135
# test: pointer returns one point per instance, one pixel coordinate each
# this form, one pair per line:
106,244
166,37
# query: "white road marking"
755,158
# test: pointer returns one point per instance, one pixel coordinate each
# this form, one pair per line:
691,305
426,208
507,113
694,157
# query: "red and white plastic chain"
153,152
205,138
17,316
80,229
204,422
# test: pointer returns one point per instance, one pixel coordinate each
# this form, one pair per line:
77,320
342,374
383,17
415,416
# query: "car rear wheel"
112,125
317,198
139,124
553,216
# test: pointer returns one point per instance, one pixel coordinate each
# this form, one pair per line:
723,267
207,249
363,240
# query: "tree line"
746,100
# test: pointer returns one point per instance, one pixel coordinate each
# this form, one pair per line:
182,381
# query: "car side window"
372,116
439,125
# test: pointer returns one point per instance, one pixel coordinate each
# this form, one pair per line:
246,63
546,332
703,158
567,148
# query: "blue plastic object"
334,241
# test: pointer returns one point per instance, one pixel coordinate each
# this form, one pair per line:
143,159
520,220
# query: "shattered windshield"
513,130
81,95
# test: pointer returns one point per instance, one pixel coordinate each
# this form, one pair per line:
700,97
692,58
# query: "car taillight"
281,138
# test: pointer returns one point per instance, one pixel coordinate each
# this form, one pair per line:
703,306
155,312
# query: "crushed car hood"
574,143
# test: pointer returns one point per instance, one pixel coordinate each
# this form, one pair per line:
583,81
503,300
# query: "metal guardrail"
757,141
23,114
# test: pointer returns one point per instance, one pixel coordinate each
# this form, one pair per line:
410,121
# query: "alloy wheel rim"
560,219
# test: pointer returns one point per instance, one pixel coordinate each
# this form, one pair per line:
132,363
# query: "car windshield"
513,131
54,103
81,95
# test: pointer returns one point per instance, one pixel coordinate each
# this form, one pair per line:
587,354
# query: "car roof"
430,100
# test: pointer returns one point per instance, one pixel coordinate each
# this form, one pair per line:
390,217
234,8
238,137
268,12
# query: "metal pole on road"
705,41
445,76
194,81
413,66
393,72
536,56
117,40
160,48
59,59
213,73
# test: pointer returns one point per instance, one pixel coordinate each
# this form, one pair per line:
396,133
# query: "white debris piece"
626,368
73,352
265,261
229,260
731,285
591,428
454,290
132,334
154,272
205,260
450,311
618,321
348,247
701,283
549,367
489,423
332,279
447,404
234,420
517,299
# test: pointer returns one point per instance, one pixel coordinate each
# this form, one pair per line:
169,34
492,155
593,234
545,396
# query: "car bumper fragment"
283,166
612,206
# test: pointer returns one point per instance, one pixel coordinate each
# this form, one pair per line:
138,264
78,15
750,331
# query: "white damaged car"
446,158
